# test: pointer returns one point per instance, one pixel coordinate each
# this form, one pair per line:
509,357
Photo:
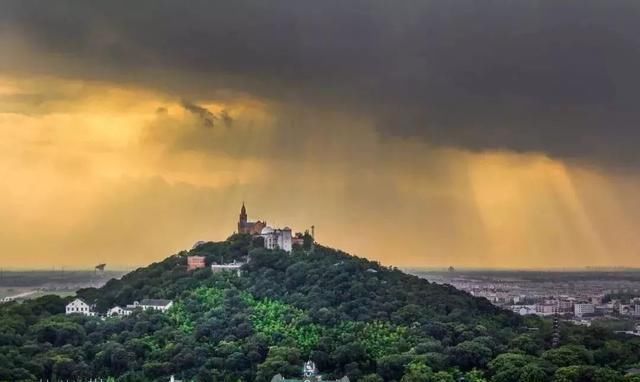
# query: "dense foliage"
351,316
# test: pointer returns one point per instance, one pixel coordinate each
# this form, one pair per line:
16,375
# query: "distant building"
635,332
152,304
274,238
195,262
566,306
18,296
277,238
625,310
118,311
524,310
298,240
245,226
227,267
546,309
78,306
309,374
586,323
604,309
581,309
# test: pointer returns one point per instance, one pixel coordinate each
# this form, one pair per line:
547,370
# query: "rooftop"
155,302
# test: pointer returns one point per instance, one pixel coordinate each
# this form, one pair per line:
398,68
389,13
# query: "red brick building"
195,262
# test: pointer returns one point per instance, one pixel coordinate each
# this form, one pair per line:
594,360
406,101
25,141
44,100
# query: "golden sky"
105,171
420,133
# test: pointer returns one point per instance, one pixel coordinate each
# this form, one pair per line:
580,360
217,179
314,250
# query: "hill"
350,315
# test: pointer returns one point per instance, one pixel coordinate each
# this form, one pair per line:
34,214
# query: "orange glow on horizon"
94,173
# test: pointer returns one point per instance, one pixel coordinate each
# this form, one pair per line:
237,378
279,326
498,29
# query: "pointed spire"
243,219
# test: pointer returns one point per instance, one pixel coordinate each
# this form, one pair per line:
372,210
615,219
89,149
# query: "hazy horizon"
408,268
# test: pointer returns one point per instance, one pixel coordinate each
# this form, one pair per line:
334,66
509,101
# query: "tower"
242,221
555,339
313,238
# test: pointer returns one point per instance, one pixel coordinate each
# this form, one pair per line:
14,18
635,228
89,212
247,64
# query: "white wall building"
275,238
233,267
118,311
78,306
153,304
582,309
524,310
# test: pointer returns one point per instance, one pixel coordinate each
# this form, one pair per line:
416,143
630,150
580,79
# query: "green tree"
527,344
474,376
442,376
371,378
533,373
280,360
568,355
470,354
584,373
417,372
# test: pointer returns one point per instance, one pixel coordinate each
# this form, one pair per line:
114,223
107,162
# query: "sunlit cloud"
99,172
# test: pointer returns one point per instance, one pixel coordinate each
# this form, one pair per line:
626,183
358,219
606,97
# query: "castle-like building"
245,226
274,238
277,238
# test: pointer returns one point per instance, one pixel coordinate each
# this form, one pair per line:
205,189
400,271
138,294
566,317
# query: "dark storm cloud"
207,117
559,77
203,113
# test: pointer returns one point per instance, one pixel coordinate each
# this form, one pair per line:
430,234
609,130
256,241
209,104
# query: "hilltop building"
195,262
118,311
245,226
232,267
298,240
275,238
153,304
78,306
309,374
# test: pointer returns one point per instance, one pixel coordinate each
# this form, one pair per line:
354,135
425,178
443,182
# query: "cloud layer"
416,133
554,77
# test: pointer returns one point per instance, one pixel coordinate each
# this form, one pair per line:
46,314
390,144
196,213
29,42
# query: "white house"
153,304
78,306
275,238
233,267
118,311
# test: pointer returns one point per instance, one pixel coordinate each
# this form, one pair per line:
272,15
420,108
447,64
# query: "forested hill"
331,286
351,316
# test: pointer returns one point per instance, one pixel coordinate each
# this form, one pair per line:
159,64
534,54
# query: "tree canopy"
351,316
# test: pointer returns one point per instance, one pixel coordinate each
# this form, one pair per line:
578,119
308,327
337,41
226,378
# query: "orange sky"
100,172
